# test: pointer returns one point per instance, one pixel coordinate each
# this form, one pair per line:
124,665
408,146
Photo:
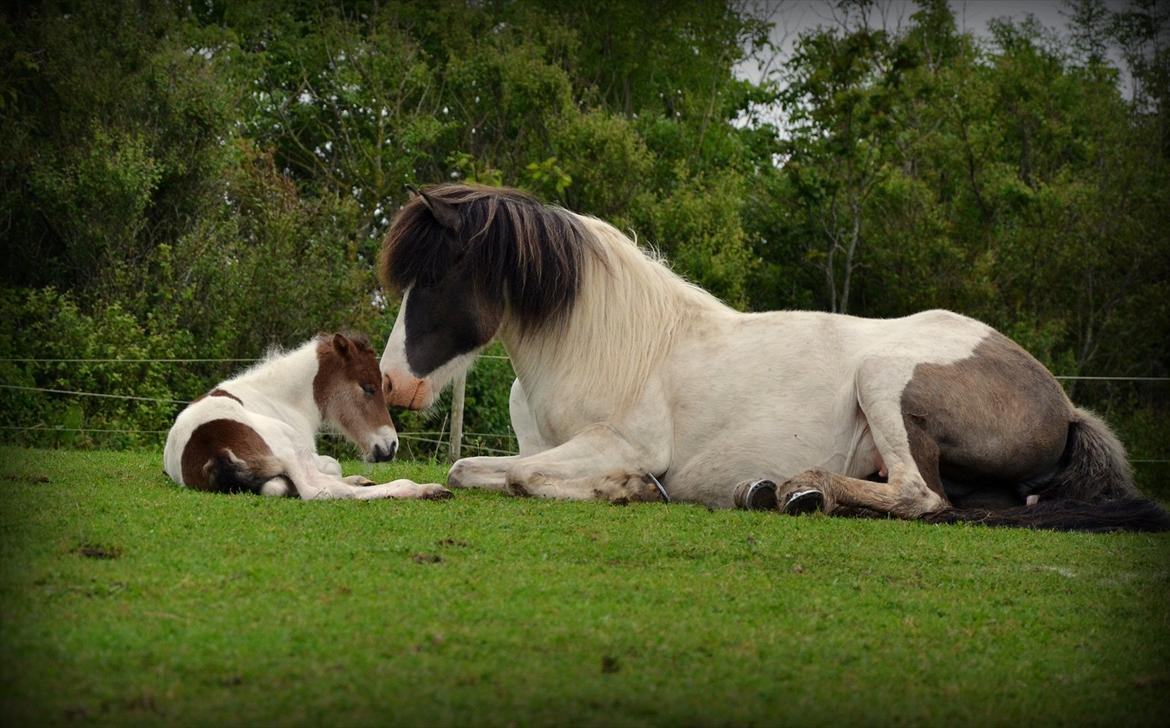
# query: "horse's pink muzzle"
403,390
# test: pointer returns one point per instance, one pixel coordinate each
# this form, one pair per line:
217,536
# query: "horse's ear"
341,345
444,212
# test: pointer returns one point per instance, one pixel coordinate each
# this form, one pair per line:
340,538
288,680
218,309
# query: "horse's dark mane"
511,246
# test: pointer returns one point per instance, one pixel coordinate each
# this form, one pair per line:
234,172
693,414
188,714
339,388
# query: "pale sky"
791,17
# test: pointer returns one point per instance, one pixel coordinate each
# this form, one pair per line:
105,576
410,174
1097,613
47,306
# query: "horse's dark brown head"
467,256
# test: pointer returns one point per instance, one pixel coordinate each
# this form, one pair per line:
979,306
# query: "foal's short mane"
511,246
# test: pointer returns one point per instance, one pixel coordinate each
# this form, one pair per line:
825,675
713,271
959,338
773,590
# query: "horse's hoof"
515,489
755,495
359,481
799,502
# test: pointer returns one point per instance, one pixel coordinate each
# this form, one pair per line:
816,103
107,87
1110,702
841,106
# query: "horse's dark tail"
1092,490
227,473
1094,466
1118,514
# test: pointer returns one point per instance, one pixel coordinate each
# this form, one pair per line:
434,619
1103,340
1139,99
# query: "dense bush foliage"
206,180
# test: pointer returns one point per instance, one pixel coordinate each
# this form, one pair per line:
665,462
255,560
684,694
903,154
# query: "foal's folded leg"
326,464
403,489
313,484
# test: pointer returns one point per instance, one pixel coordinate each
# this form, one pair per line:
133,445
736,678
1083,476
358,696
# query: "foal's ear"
341,345
443,211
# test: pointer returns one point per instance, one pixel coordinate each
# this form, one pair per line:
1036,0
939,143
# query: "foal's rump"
228,456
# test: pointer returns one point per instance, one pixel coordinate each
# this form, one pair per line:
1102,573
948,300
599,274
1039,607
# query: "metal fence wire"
453,440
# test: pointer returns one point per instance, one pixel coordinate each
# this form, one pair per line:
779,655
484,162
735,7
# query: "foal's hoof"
436,492
799,502
359,481
755,495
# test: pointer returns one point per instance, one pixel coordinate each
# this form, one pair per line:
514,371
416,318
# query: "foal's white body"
275,399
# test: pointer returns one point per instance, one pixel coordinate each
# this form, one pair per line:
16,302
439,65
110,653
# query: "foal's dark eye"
368,390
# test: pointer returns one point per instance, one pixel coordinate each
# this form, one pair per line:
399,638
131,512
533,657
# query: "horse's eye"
368,390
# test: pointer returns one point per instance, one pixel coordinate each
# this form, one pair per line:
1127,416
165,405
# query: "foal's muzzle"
382,453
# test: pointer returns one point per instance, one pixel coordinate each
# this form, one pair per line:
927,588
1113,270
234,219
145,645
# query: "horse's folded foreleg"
597,464
326,464
616,487
817,489
481,472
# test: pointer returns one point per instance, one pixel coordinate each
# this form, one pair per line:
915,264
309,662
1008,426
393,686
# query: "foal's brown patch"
346,365
210,440
217,393
225,393
997,417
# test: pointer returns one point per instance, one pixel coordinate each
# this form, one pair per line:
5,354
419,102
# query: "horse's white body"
787,397
275,400
638,373
652,374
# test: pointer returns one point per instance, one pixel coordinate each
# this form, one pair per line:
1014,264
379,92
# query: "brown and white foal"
256,432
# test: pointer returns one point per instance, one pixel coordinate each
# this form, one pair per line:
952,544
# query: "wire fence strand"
122,360
429,437
104,395
494,357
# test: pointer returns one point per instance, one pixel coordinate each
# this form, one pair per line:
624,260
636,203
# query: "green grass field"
124,598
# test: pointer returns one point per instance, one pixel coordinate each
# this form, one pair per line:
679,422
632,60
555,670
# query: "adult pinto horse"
628,376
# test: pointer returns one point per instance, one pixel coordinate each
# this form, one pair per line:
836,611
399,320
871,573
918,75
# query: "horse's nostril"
387,385
393,450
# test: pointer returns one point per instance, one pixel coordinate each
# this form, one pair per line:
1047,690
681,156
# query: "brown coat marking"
342,363
987,422
217,393
207,445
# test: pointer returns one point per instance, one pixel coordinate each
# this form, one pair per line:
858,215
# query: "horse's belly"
710,475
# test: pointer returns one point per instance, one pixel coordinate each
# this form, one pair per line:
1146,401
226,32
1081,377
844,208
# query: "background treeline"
204,180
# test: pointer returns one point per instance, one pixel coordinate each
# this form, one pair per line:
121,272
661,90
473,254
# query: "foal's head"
347,389
465,258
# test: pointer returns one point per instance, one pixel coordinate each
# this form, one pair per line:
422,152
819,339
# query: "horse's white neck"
282,386
628,311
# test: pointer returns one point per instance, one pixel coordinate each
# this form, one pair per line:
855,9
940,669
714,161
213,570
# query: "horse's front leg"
489,473
597,464
401,489
326,464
